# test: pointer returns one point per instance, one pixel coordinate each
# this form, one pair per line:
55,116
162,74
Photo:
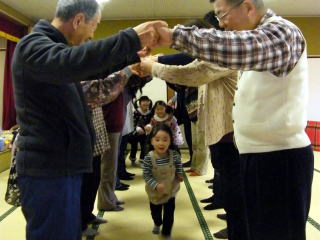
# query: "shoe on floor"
124,184
165,237
186,164
207,200
213,206
209,181
120,202
115,209
222,234
89,232
210,186
98,220
156,229
121,188
194,174
126,177
130,174
222,216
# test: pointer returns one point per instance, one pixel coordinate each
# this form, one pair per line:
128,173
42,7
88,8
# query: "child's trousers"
168,215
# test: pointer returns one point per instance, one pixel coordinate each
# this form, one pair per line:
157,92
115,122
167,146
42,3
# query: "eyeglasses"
226,13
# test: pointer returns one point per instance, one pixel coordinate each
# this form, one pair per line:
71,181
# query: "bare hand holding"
148,33
160,188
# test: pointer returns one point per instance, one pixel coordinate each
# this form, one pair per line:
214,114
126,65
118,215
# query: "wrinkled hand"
136,69
144,52
165,36
146,65
160,188
148,33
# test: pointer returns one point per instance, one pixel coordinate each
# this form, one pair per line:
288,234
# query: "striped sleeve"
147,172
177,162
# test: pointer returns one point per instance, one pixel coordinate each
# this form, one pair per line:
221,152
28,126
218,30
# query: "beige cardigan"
220,84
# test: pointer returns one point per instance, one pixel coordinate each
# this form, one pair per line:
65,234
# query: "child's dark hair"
141,99
160,127
159,103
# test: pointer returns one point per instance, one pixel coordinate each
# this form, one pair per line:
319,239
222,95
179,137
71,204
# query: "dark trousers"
122,155
277,187
89,189
134,140
217,155
232,191
187,133
168,215
51,207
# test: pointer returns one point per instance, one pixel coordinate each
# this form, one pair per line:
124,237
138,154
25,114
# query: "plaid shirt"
102,141
100,92
274,46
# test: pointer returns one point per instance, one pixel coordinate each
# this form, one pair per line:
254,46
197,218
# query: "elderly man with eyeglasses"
269,113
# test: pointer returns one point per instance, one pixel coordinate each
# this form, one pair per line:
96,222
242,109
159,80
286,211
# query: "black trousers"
134,140
89,188
277,189
217,155
122,170
187,133
168,215
232,190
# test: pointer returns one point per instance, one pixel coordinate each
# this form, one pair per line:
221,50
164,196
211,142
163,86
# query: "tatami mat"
135,221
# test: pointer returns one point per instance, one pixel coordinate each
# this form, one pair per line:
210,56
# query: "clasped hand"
154,34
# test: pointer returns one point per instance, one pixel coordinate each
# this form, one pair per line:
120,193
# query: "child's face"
160,111
144,105
161,142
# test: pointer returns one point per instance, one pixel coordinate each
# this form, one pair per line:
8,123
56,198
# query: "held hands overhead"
152,34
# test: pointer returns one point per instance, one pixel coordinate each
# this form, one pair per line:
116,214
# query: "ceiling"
159,9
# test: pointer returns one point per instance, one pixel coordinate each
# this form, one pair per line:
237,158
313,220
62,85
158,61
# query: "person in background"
47,66
269,113
162,172
141,116
161,115
98,93
127,131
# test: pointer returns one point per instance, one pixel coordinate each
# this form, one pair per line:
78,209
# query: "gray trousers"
106,195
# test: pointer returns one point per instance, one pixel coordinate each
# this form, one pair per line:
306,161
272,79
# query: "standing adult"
269,112
56,134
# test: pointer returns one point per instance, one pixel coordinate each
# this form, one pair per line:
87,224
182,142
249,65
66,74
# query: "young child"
141,117
162,172
164,114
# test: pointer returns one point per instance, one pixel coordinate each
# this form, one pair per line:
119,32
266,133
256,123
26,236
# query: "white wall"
314,89
156,90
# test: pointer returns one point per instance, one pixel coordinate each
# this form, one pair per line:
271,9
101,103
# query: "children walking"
141,117
162,172
164,114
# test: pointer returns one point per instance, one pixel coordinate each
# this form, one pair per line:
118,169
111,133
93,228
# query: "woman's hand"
146,65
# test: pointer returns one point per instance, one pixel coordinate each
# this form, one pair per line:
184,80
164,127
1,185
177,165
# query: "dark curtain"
9,112
17,30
